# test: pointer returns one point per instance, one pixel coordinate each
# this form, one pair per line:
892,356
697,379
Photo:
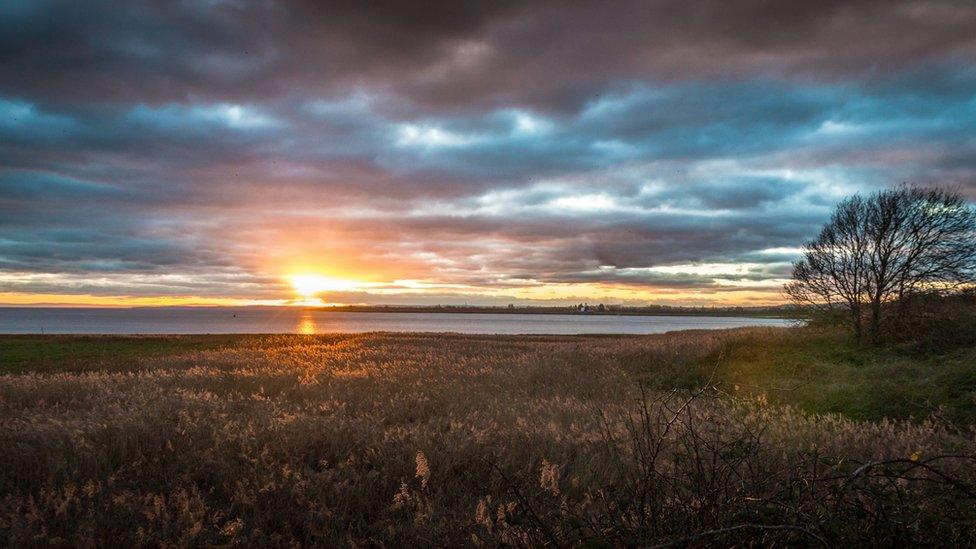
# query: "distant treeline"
777,311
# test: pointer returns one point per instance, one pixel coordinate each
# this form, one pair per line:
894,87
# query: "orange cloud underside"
82,300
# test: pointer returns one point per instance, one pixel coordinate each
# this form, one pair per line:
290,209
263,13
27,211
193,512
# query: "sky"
649,152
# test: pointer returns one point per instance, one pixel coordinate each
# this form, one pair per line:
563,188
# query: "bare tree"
832,272
886,249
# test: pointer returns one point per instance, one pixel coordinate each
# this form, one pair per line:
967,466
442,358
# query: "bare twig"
528,507
739,527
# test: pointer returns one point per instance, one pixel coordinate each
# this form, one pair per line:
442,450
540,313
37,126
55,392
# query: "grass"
411,439
21,354
820,370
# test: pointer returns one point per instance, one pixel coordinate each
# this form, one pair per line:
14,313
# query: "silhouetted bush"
933,321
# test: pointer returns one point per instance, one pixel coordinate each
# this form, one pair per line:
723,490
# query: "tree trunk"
856,322
876,321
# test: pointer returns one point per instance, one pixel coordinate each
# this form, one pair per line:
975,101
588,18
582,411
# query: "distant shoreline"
610,310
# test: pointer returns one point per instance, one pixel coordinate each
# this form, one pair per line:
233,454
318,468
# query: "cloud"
501,53
215,148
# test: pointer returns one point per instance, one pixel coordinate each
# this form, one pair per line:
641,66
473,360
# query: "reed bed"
407,440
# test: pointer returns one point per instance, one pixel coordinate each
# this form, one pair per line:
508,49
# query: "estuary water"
290,320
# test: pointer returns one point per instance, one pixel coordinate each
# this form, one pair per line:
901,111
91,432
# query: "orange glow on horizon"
319,290
88,300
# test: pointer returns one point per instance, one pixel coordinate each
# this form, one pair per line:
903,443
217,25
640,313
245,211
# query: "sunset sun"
312,285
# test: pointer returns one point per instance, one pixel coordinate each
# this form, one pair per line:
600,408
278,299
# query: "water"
222,320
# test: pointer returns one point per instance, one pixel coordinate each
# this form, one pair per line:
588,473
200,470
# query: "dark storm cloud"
456,53
485,144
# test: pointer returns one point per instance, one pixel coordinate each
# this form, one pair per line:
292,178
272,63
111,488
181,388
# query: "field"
749,436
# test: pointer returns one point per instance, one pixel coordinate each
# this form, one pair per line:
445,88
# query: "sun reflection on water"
306,324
